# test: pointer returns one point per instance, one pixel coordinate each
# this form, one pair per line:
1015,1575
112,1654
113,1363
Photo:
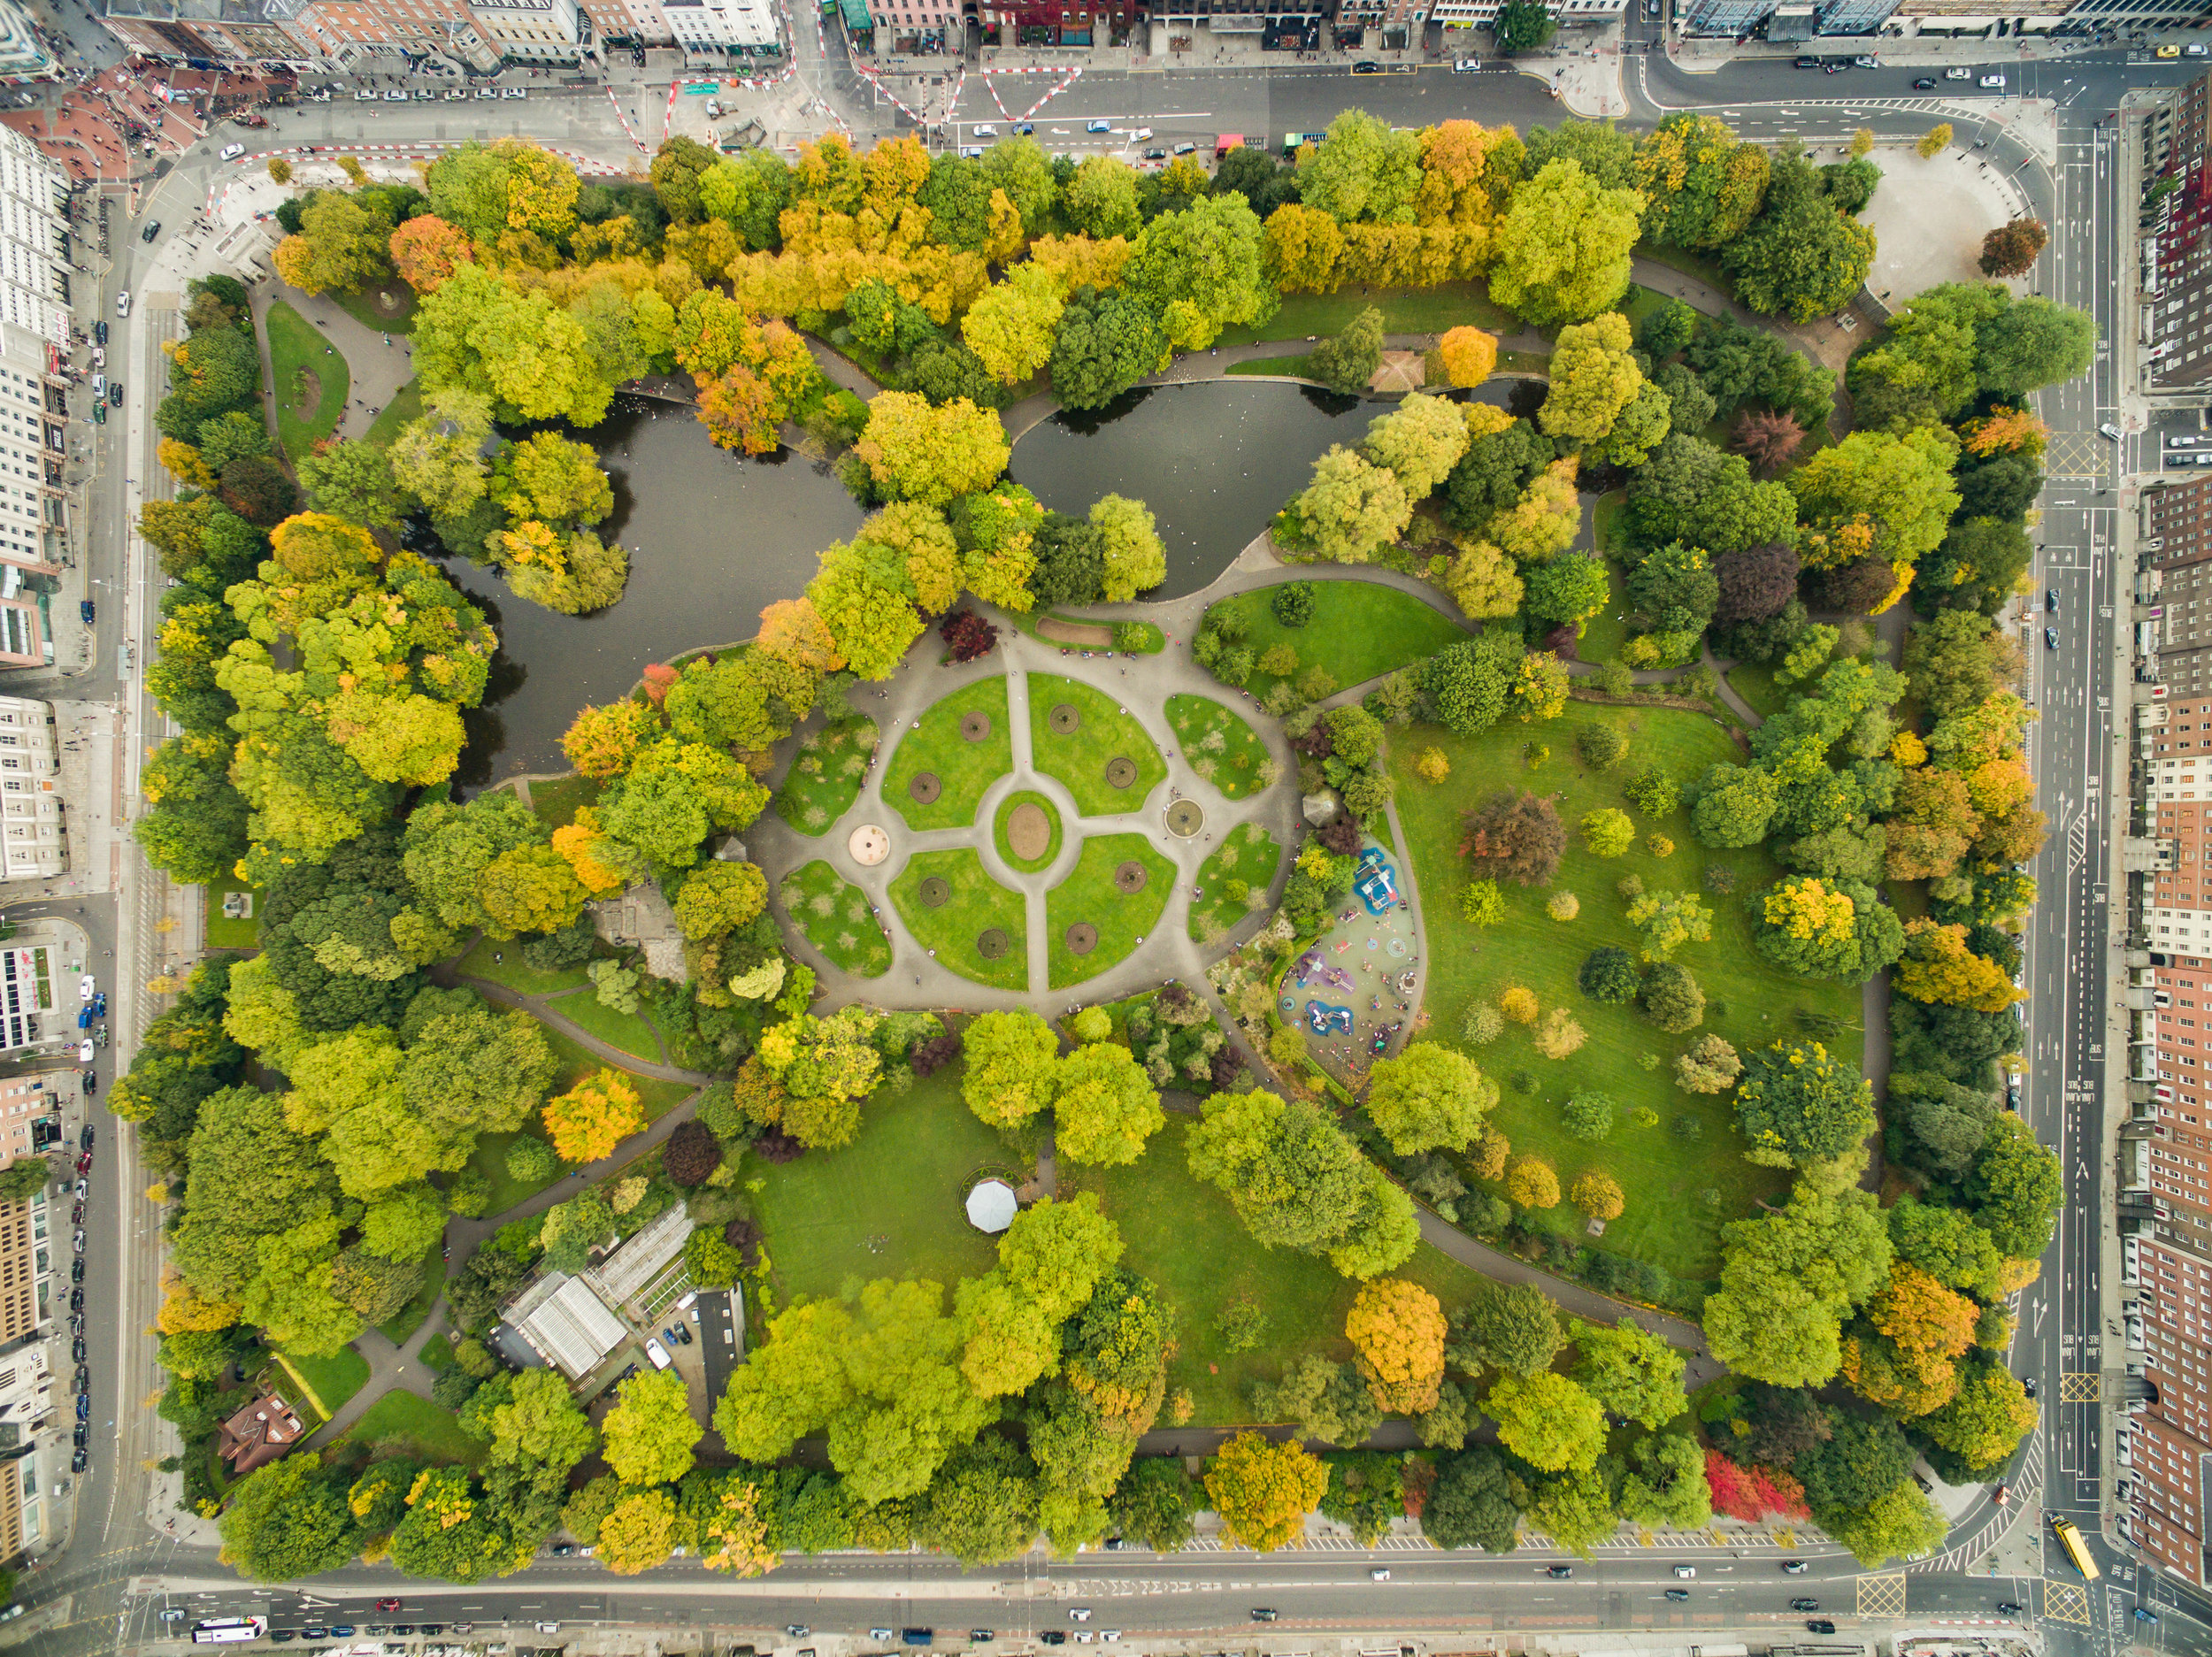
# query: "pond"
1215,460
713,538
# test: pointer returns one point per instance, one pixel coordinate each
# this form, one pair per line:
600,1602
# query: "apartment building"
33,845
222,34
24,1267
34,299
2165,1441
747,28
30,1113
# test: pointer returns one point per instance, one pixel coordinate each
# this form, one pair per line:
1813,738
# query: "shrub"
1588,1116
1487,1157
1598,1194
967,636
1482,904
1562,906
1293,604
1608,831
1688,1128
1608,975
1560,1036
1432,766
1603,747
1483,1025
1092,1024
1720,879
1658,845
531,1161
1132,635
1518,1002
1630,887
1613,679
1709,1066
1652,792
1522,1081
1530,1183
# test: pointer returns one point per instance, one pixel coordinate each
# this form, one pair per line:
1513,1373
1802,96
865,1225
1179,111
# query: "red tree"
1750,1493
968,634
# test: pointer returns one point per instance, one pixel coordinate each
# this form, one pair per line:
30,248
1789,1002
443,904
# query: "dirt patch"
1081,938
992,945
1130,878
1028,832
925,787
975,726
307,394
1090,634
1121,771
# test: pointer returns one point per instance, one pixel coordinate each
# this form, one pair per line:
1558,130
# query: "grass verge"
1754,683
225,934
1404,310
327,1382
1079,759
398,317
406,404
557,802
812,799
963,770
303,361
1089,895
1228,753
1249,855
408,1319
833,913
489,1159
434,1433
1359,630
978,904
1682,1170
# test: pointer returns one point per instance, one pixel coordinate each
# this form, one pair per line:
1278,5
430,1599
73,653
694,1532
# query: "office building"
32,843
747,28
2165,1438
23,1249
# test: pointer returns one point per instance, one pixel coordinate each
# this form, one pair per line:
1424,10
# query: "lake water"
713,537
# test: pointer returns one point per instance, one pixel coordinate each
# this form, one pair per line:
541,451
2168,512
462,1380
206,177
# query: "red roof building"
263,1431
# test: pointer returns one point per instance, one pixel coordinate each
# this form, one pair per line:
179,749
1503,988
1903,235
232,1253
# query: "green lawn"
1223,749
629,1032
1669,1220
1754,683
511,971
833,914
1184,1236
308,408
408,1319
557,802
1296,367
228,934
1079,758
1249,855
433,1434
437,1353
826,776
1606,521
489,1159
1359,630
1404,310
978,903
1602,633
578,1062
328,1382
406,404
397,318
888,1205
1026,796
1089,894
963,769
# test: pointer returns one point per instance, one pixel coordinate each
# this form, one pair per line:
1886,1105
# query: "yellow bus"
2069,1538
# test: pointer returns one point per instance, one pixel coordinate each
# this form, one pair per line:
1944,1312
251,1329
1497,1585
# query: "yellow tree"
1593,378
1468,354
588,1121
1011,327
1398,1329
1263,1492
1938,967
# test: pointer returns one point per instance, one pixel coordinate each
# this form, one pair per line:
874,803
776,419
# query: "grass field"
437,1351
399,317
630,1031
434,1433
1249,855
296,349
1602,633
510,970
1296,367
406,404
811,803
1184,1236
1404,310
978,903
1227,752
408,1319
1359,630
1079,758
223,933
557,802
329,1382
965,769
833,914
1027,866
888,1205
1669,1220
1754,683
489,1159
1089,894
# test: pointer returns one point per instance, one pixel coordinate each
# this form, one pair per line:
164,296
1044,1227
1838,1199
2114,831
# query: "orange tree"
1399,1329
588,1121
1263,1492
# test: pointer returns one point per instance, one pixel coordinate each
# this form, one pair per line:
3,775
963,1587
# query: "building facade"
33,843
747,28
207,34
552,33
30,1113
1469,14
24,1267
2165,1442
23,55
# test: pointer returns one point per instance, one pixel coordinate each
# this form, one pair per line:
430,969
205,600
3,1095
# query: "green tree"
1200,270
1105,344
1513,1327
1877,494
1429,1097
1797,1106
1296,1181
541,1427
2033,342
1352,507
1107,1107
287,1520
1546,1420
981,1508
1789,1277
1135,558
1013,1067
1900,1525
1155,1502
405,1224
2014,1189
1630,1372
1562,248
1524,26
1056,1252
1346,362
650,1432
1593,379
1470,1506
1803,255
1363,171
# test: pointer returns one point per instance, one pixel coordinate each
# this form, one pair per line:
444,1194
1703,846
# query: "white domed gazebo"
992,1206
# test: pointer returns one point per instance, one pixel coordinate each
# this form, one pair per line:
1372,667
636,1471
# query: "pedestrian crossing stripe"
1882,1594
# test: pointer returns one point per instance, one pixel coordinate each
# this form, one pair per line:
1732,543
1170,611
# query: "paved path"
377,370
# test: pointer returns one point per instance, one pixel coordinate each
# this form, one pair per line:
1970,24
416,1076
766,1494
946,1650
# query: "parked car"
1820,1625
84,1053
1677,1594
1991,83
1185,148
100,332
2168,51
231,152
1467,66
986,130
1805,62
99,1011
1366,66
1958,74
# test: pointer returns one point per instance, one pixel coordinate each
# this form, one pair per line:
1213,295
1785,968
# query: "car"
1651,8
77,1463
84,1048
2183,440
1139,135
1677,1594
231,152
982,1636
1805,62
2050,638
388,1605
282,1636
1958,74
2001,1495
396,98
2143,1614
797,1630
315,1630
2107,429
1559,1573
488,92
1114,1544
84,1406
563,1549
2196,49
115,394
1264,1613
100,333
123,303
1156,155
172,1614
971,152
402,1628
99,1011
150,231
1379,1573
2050,598
1867,63
2027,1386
365,97
99,389
986,130
1115,1633
1820,1625
76,1269
1467,66
1079,1614
549,1628
341,1631
1025,129
514,92
1685,1571
87,986
84,1188
683,1333
658,1354
91,1079
1054,1636
2008,1607
2169,51
1367,66
1804,1605
1991,83
376,1629
880,1633
1101,124
84,1013
83,1434
1185,148
1084,1637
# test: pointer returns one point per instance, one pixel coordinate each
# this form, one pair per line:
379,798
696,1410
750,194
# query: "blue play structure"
1324,1020
1377,886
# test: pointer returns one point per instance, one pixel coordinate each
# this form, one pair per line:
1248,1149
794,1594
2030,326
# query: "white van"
658,1354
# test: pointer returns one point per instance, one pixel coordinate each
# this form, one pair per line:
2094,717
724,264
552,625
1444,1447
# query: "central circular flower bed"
1027,832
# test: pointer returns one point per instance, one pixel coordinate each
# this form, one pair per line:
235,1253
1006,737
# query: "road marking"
1882,1594
2066,1602
2080,1387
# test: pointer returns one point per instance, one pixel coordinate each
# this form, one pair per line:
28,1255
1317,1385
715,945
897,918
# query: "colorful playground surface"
1369,938
1375,883
1327,1020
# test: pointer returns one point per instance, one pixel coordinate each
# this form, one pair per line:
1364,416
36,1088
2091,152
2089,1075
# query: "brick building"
2166,1444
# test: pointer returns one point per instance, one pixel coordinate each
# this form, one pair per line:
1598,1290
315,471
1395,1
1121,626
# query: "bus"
224,1631
2069,1538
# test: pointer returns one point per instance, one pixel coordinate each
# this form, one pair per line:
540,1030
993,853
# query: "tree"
1803,255
1938,966
1630,1372
343,242
1107,1107
1155,1502
2014,1189
1797,1105
1523,26
1788,1277
1296,1181
1056,1252
1398,1330
1135,559
2012,247
1608,975
650,1431
1900,1523
1325,1400
1667,920
1105,344
1012,326
405,1224
639,1533
1985,1418
2030,343
1352,506
1514,835
1710,1065
692,1155
1598,1194
586,1122
917,452
540,1428
1263,1490
1200,270
1703,185
286,1520
1918,1329
1592,379
1934,141
1567,591
1470,355
1012,1069
1546,1420
351,480
425,251
1419,442
1510,1327
1428,1097
1607,832
1346,362
1562,248
1877,494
